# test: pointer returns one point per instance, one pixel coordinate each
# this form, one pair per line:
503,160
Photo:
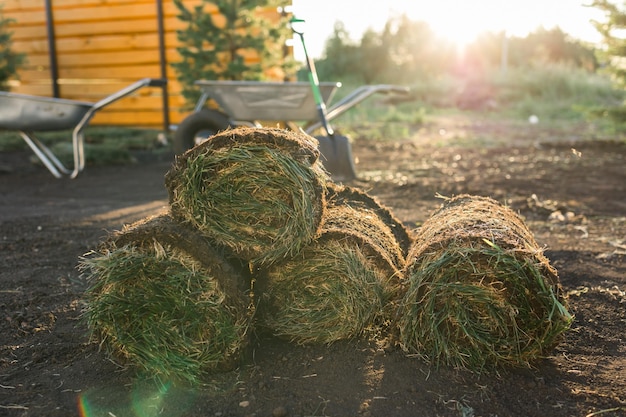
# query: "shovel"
335,150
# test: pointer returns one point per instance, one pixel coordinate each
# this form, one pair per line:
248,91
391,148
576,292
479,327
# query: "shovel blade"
336,156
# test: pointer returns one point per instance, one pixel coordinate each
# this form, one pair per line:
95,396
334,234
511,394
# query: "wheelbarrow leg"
47,157
77,134
78,144
44,154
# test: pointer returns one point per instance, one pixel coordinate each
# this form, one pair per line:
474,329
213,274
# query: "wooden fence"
89,49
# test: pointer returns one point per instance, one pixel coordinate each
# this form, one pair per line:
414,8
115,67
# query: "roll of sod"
377,220
163,300
258,192
481,294
341,285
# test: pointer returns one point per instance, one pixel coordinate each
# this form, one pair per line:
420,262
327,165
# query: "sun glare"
463,21
458,29
459,21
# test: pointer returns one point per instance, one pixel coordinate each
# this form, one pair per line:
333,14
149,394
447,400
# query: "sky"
458,20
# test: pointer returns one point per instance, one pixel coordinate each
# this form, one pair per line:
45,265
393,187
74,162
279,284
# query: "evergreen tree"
232,40
615,45
10,61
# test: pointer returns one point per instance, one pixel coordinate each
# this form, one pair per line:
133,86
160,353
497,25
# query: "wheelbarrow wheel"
197,127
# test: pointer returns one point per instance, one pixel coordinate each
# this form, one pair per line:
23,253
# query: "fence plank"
103,59
95,13
86,75
96,43
113,13
136,118
135,26
133,102
11,5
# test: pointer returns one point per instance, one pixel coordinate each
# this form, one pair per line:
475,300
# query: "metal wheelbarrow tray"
28,114
247,103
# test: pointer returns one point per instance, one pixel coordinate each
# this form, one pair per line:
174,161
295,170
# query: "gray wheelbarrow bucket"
28,114
245,101
250,103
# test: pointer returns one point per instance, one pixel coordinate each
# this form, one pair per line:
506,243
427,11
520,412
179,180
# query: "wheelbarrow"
250,103
28,114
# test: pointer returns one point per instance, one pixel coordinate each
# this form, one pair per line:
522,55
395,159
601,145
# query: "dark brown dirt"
571,193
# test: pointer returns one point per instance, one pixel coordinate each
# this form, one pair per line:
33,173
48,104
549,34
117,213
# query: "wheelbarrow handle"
157,82
77,134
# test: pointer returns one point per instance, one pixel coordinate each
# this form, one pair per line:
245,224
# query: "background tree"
611,28
404,51
415,51
341,58
241,40
552,46
10,61
538,48
409,52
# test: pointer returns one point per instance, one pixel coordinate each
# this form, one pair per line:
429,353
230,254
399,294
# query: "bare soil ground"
569,186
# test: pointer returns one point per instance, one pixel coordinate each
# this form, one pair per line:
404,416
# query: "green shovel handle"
313,80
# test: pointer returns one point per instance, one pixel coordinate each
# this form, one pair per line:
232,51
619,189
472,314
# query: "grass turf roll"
376,220
341,284
162,299
257,191
481,294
